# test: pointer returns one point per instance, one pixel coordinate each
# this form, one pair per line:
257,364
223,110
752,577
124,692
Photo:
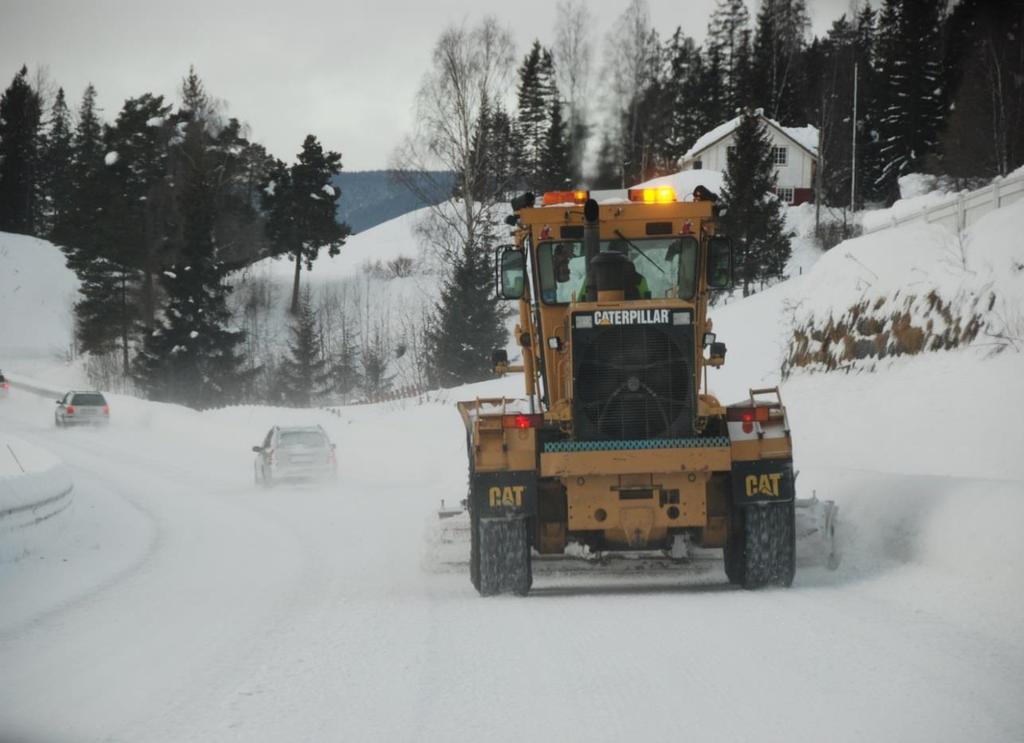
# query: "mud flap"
504,494
501,504
763,481
762,551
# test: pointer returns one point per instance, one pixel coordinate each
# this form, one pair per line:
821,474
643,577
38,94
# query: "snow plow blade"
816,532
449,538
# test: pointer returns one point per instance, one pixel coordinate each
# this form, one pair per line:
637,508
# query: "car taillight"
5,386
106,410
270,456
534,420
330,457
70,410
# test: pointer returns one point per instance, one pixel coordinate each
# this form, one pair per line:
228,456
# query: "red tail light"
106,410
330,457
5,386
534,420
70,410
747,416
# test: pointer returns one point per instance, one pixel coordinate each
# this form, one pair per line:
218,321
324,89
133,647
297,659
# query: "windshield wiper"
630,243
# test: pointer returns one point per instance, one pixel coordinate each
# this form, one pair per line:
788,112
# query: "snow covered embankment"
913,289
35,488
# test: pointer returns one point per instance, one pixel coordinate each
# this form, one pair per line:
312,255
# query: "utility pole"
853,164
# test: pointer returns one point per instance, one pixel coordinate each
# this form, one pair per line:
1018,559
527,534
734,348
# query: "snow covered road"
194,607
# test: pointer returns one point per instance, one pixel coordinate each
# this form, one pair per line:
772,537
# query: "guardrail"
965,208
30,497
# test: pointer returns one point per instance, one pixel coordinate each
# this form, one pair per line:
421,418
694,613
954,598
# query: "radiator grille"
633,382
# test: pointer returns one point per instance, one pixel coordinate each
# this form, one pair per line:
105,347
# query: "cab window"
667,266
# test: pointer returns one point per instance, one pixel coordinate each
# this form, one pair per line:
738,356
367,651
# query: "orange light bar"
659,195
565,197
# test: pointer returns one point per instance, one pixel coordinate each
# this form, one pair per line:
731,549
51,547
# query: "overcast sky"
345,70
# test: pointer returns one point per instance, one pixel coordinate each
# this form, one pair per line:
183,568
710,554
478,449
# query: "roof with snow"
804,136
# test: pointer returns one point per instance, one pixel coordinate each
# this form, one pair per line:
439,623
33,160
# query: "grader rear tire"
769,545
474,550
502,552
733,553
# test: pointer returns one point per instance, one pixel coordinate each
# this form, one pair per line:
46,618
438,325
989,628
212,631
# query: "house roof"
804,136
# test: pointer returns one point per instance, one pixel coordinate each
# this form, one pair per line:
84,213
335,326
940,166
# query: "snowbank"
913,288
37,292
35,487
685,181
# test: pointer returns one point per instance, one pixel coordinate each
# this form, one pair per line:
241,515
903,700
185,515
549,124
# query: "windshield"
667,267
303,438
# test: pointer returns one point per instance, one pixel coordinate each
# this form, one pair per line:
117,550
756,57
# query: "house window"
779,155
785,195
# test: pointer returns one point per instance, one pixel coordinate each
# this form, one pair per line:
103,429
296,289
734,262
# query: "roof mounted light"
658,195
565,197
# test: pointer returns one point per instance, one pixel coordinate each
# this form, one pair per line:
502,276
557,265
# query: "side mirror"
511,272
258,449
716,356
719,267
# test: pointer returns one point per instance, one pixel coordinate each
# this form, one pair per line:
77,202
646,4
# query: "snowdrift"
37,294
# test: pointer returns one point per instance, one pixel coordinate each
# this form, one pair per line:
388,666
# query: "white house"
794,150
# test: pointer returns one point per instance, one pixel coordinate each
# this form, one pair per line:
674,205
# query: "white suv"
294,453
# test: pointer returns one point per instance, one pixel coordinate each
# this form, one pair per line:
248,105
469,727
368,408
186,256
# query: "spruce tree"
75,228
534,96
728,27
20,119
556,161
303,374
56,164
468,324
192,356
713,92
751,215
301,204
911,103
374,361
984,77
869,106
344,370
781,28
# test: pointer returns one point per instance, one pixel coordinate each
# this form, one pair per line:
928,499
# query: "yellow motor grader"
617,444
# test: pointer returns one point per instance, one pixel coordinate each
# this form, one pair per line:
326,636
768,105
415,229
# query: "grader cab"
617,444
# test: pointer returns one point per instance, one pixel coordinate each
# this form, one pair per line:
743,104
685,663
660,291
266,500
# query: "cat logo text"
510,495
762,485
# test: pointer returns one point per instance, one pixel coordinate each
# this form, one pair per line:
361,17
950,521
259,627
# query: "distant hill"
371,197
